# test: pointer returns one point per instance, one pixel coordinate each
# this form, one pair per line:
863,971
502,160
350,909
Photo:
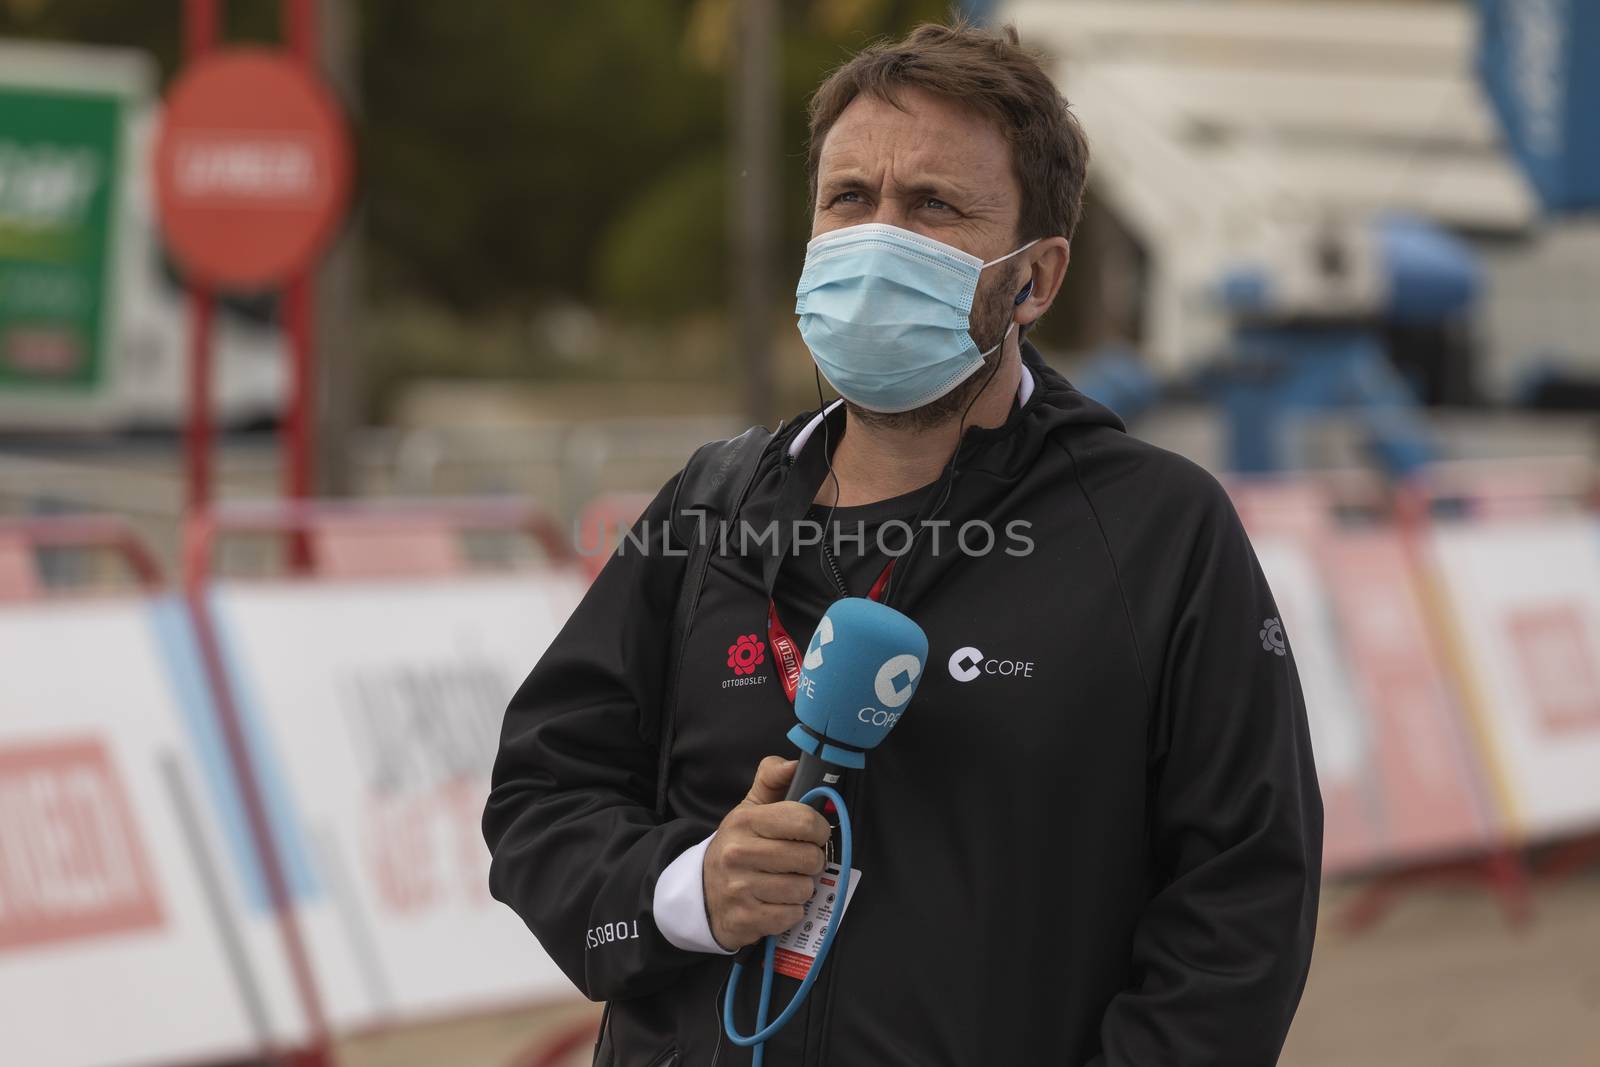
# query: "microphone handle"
814,771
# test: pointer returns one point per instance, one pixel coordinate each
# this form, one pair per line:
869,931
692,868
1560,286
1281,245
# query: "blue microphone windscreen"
859,671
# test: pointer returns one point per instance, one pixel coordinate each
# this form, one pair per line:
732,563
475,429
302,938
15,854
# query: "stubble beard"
991,318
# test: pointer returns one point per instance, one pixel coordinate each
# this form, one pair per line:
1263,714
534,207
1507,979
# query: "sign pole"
197,431
200,34
201,24
300,33
298,422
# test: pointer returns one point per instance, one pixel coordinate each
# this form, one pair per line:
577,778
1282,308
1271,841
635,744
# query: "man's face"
936,168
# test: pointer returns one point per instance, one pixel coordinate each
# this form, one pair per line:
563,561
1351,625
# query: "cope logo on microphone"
820,639
858,674
892,685
896,680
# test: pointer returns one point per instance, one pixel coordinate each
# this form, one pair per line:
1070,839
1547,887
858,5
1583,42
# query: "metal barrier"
21,539
334,525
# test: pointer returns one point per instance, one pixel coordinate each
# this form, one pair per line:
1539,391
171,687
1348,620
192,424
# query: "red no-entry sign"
252,168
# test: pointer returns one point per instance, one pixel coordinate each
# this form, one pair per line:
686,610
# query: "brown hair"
987,70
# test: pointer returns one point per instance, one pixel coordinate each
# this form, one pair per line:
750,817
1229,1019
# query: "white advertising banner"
1399,779
1426,794
377,706
120,932
1525,599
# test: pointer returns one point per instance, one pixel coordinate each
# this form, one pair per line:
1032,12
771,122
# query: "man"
1095,837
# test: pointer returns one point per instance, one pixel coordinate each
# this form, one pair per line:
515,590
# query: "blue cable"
764,1029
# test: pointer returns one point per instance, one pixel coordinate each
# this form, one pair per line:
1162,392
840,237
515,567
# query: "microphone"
857,677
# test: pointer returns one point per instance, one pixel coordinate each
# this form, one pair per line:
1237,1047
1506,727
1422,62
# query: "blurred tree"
502,140
517,151
665,253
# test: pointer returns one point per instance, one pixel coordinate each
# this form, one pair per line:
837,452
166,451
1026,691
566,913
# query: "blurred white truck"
94,325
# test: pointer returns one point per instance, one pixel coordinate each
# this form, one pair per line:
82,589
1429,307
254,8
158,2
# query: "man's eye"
935,203
850,197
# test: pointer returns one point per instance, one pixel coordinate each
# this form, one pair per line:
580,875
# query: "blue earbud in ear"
1027,291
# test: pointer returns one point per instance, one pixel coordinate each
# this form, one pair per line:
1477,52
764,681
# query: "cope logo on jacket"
968,663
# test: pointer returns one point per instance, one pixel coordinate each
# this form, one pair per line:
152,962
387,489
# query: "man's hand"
761,866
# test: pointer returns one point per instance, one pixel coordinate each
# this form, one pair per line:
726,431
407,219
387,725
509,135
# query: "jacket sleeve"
1221,952
570,819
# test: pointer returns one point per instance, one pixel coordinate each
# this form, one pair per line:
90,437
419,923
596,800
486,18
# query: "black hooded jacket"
1094,840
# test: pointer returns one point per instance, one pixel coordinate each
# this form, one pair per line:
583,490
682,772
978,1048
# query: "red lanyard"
786,656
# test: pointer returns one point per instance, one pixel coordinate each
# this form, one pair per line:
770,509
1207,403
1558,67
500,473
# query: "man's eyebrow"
843,178
933,187
937,186
830,188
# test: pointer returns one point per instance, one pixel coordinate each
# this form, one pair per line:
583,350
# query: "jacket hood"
1055,403
990,463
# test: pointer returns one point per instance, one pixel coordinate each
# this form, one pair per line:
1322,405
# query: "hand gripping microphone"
856,680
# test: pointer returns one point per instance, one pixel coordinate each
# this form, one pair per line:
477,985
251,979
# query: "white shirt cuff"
679,905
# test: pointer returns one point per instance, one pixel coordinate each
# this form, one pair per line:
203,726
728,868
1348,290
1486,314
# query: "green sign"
58,180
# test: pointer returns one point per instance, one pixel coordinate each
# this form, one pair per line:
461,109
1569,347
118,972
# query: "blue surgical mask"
886,314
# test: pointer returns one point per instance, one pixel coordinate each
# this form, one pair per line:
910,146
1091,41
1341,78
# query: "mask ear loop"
1013,252
961,428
